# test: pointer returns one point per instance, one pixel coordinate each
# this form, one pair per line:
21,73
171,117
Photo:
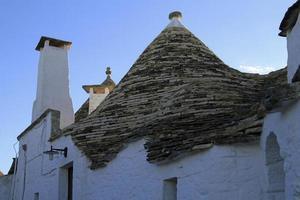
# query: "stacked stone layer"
181,98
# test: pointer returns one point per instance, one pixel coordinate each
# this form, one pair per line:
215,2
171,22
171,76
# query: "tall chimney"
53,80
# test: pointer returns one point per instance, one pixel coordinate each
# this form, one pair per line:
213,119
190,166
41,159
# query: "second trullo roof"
180,97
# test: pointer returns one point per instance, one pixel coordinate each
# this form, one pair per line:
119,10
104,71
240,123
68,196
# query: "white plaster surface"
53,84
223,172
30,174
175,22
5,186
293,46
235,172
36,173
96,99
285,125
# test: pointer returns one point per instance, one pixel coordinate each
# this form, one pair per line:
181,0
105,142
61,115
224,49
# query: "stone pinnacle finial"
175,20
108,71
175,15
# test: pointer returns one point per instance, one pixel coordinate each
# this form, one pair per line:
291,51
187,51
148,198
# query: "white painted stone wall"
96,99
232,172
293,45
224,172
285,125
53,84
5,186
32,163
36,173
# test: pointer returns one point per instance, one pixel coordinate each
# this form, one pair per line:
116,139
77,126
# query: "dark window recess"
70,183
275,167
36,196
170,189
296,77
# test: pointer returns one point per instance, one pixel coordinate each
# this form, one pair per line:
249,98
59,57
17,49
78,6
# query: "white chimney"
99,92
53,80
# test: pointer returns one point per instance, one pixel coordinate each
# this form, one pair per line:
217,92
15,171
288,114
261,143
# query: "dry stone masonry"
181,98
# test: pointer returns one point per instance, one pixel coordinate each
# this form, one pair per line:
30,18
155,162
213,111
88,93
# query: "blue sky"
114,33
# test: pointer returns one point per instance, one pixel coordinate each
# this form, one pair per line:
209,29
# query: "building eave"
289,20
38,120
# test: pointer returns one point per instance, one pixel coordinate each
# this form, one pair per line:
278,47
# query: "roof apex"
175,19
175,14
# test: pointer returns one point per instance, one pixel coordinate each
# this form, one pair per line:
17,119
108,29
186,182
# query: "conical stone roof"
180,97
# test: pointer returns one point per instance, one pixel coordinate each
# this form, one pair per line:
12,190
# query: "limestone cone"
181,97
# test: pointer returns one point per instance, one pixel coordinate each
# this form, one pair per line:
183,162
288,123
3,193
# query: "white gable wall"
286,126
5,186
235,171
37,174
30,170
223,172
293,45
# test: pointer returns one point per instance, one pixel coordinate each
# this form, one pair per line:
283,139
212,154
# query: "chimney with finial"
100,91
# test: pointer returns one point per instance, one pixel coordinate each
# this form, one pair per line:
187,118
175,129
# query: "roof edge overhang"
88,87
37,121
289,20
52,42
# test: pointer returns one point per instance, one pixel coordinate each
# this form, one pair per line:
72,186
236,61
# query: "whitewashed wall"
36,173
223,172
5,186
286,126
31,170
293,45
